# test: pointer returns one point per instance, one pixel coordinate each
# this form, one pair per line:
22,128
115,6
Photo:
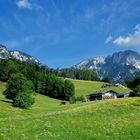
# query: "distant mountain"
5,53
120,66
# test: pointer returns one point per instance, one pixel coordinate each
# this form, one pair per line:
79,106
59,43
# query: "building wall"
109,96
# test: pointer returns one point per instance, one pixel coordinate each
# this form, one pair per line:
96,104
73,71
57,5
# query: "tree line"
25,77
80,74
135,86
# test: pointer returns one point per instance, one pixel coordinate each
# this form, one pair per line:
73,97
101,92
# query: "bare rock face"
120,66
5,54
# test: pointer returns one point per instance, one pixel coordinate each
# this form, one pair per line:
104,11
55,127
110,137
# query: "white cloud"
130,40
108,39
24,4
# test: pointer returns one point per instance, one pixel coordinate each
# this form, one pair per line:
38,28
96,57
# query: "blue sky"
61,33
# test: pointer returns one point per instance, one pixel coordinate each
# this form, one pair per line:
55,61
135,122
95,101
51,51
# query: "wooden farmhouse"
108,94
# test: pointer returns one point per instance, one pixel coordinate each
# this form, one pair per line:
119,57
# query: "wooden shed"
102,95
123,95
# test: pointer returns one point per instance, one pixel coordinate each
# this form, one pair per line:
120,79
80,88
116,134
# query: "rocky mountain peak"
5,53
127,57
119,66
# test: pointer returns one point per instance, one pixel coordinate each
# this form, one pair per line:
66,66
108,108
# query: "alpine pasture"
47,119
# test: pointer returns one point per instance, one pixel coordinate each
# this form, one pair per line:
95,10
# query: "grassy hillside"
86,87
100,120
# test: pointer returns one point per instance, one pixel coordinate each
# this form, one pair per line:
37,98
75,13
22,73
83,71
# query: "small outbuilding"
102,95
107,94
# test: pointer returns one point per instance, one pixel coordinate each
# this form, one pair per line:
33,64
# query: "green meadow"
86,87
48,120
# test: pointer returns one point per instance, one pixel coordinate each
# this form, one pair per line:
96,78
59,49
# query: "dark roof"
102,92
112,91
123,93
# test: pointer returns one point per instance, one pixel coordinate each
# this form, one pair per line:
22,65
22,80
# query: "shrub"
16,84
40,82
69,90
72,100
82,98
50,81
18,89
132,94
134,83
58,88
54,87
23,100
137,90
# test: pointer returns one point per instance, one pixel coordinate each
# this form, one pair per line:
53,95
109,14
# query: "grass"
100,120
87,87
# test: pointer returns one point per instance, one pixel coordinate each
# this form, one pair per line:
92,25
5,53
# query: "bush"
72,100
18,89
23,100
54,87
134,83
82,98
137,90
69,90
16,84
132,94
40,82
50,81
58,88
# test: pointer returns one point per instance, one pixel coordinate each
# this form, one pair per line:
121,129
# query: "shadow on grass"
6,101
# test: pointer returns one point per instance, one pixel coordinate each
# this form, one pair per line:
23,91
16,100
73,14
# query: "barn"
107,94
102,95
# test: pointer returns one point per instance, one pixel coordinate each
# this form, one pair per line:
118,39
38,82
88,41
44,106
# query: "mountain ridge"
120,66
22,56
